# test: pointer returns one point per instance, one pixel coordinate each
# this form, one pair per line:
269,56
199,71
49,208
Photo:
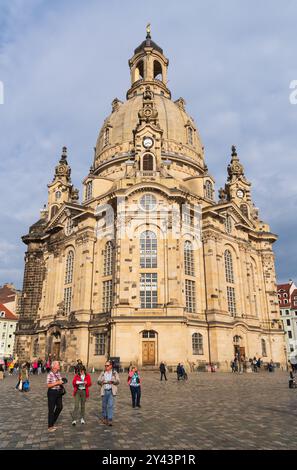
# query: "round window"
148,202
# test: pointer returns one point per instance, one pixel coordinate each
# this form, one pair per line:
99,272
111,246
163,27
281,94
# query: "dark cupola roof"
148,43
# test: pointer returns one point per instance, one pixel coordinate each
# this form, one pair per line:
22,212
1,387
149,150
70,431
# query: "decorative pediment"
65,211
232,210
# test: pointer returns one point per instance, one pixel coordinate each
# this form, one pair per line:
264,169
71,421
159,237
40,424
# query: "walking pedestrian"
108,380
162,369
81,384
54,395
254,363
135,387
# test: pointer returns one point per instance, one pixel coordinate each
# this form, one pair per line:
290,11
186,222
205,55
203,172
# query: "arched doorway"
239,349
149,347
55,345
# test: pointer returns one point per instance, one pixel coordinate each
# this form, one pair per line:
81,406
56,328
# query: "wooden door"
56,351
148,353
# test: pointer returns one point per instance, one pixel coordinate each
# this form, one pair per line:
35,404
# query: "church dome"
173,120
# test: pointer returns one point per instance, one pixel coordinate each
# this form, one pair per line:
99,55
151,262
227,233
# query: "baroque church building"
149,267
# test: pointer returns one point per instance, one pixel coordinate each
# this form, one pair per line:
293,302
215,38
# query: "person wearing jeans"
54,395
81,384
135,387
108,380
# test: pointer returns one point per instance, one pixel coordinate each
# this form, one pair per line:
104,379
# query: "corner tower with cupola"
149,266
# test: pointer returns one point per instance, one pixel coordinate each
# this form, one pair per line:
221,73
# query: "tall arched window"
229,273
89,190
229,267
139,71
190,135
69,267
189,259
148,249
263,345
108,259
157,70
106,136
68,282
208,189
148,162
197,343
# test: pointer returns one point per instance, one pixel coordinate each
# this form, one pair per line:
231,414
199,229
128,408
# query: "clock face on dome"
148,142
240,193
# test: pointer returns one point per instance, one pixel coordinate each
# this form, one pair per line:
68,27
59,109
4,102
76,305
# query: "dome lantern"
148,65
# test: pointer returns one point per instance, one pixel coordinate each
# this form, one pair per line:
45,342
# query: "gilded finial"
148,30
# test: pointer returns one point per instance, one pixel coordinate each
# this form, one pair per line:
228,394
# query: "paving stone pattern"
209,411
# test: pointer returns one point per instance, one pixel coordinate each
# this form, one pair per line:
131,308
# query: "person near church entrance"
255,364
108,380
135,387
162,369
81,383
54,395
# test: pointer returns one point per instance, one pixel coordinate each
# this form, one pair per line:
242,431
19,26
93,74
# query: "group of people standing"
108,382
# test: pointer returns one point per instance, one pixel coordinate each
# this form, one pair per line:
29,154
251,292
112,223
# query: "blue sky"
63,62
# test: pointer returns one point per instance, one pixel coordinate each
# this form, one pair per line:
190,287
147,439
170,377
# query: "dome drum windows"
89,190
208,190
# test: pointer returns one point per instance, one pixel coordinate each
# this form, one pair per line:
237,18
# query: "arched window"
54,210
263,345
197,343
89,190
189,259
244,210
108,259
229,273
69,267
106,136
190,135
229,267
69,226
148,162
228,224
139,71
148,249
208,189
157,70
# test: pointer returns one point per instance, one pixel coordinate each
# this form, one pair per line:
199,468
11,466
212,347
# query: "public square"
209,411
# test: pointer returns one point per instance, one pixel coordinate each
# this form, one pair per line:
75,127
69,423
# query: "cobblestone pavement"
209,411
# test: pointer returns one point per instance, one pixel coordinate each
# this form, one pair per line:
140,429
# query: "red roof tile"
8,314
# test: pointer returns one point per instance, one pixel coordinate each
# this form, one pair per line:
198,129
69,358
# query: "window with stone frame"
69,267
89,190
108,259
190,293
69,226
148,249
100,339
229,273
231,300
148,290
197,344
190,135
208,189
189,259
106,136
107,296
67,299
148,162
228,223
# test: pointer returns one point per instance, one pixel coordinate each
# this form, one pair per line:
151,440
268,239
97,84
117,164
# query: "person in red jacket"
81,384
135,387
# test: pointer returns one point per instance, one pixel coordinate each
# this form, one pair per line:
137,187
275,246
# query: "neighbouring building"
10,296
287,299
150,266
8,325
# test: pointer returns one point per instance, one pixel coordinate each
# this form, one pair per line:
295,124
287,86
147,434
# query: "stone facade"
149,266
